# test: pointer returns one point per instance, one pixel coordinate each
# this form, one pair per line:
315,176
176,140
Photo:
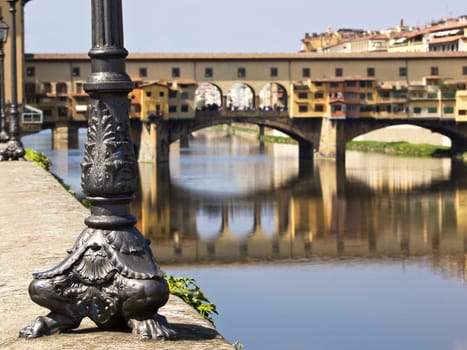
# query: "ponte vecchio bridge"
320,100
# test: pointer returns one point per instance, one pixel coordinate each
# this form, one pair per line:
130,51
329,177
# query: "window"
63,112
434,70
350,95
448,110
175,72
383,94
79,88
319,94
208,72
46,88
306,72
303,108
449,94
370,71
30,71
334,84
274,72
241,72
302,95
161,94
432,110
185,95
75,72
61,88
339,72
462,111
351,83
148,93
30,88
172,109
336,108
417,110
47,112
402,71
464,70
172,94
143,72
184,108
319,108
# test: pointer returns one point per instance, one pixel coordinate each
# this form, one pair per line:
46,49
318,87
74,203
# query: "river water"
369,254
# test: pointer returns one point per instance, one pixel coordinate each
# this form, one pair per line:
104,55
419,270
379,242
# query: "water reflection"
374,207
334,249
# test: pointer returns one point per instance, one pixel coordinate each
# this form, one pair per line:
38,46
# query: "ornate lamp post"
110,274
14,148
3,38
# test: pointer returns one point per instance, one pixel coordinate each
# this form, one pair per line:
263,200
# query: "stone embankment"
39,221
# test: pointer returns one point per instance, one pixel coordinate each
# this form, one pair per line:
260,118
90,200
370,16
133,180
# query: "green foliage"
44,162
39,158
399,148
278,139
187,289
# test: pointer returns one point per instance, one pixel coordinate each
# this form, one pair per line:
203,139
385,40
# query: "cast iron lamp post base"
109,276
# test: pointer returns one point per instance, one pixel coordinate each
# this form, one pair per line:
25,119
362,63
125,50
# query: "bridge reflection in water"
410,208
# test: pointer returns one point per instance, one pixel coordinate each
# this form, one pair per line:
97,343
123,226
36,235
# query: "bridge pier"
458,145
154,143
65,136
332,140
305,150
185,141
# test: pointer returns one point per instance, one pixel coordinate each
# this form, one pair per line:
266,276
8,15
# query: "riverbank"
388,144
39,222
399,148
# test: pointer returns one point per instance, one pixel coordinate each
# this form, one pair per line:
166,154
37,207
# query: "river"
369,254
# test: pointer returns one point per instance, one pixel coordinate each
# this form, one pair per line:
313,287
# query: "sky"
189,26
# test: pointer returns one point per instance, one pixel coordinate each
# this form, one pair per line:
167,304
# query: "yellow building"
154,99
182,99
461,106
318,42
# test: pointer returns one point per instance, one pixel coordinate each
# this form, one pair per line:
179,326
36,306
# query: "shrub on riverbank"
40,158
399,148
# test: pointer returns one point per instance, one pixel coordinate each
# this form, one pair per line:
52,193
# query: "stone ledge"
39,221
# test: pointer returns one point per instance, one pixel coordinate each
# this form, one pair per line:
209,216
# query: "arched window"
61,89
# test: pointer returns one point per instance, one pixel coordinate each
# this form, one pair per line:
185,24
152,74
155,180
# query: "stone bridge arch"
305,132
456,132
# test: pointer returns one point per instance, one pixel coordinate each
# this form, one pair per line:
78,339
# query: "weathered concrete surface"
39,221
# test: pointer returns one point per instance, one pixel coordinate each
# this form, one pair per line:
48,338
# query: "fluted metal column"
110,274
3,134
14,148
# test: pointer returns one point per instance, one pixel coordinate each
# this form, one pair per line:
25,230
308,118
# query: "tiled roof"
255,56
446,39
